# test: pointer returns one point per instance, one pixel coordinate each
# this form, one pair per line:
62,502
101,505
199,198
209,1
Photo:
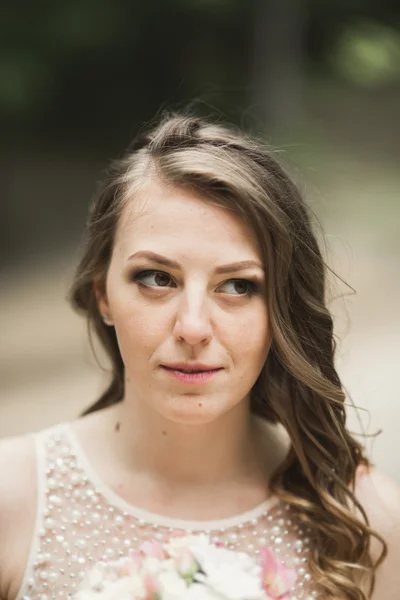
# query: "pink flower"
153,549
136,557
152,587
127,566
277,579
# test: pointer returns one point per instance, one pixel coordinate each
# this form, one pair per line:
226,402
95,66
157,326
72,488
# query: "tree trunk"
278,61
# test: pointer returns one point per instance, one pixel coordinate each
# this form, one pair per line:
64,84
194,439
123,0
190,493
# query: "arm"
380,497
17,511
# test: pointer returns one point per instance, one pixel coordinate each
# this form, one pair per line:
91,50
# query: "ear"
100,290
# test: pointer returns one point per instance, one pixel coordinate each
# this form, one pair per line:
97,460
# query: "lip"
202,374
190,367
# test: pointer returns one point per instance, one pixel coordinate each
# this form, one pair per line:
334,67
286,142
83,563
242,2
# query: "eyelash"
253,286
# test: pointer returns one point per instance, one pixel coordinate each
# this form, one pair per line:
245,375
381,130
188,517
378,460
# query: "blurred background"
319,79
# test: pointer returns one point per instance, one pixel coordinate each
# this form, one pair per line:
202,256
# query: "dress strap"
39,440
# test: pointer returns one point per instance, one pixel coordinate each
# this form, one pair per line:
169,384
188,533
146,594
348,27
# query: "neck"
225,450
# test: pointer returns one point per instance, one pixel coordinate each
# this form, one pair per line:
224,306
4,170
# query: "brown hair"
298,386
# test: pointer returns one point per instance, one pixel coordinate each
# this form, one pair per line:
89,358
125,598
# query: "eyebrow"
172,264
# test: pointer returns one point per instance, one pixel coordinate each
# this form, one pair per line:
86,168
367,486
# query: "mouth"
191,374
190,370
191,367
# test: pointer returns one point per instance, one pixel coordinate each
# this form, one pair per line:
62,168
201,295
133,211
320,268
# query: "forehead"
181,221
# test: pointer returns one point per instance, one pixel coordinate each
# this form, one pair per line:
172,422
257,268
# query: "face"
185,292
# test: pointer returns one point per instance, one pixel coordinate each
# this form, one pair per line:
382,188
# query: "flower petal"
277,578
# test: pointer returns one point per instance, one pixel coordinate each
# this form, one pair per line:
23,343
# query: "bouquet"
188,568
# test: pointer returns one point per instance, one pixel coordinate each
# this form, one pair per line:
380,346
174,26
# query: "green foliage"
25,80
89,66
368,54
83,25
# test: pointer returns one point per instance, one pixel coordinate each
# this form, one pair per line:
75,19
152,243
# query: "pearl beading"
80,526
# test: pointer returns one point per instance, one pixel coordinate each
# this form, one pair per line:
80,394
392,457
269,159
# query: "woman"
205,284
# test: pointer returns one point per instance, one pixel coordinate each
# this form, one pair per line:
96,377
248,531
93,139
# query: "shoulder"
380,497
17,473
17,506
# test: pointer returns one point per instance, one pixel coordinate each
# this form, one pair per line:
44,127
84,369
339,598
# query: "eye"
240,287
155,279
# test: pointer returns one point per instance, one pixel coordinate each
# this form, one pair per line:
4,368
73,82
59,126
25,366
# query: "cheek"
137,330
249,338
139,327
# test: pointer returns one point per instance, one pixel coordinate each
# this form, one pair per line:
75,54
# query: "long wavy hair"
298,386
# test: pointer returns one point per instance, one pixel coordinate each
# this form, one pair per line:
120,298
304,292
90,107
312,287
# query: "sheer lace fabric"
81,521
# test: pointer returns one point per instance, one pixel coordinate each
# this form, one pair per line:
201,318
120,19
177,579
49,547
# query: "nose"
192,322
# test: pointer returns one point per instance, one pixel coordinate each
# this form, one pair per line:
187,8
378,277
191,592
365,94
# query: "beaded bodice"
81,521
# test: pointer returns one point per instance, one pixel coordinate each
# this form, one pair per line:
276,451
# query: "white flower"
234,575
152,565
125,588
172,586
128,588
198,591
223,575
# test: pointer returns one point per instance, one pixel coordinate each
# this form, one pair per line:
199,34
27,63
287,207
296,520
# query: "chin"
192,410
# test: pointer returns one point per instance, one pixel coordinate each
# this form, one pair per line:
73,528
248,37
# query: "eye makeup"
162,280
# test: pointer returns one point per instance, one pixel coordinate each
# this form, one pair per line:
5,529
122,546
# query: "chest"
80,522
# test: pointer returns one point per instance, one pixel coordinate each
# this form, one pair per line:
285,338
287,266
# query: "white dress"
80,521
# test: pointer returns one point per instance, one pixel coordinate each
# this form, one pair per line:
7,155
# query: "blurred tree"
80,64
327,20
278,63
90,67
368,54
78,78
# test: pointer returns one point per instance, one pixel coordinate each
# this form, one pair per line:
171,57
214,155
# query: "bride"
204,282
